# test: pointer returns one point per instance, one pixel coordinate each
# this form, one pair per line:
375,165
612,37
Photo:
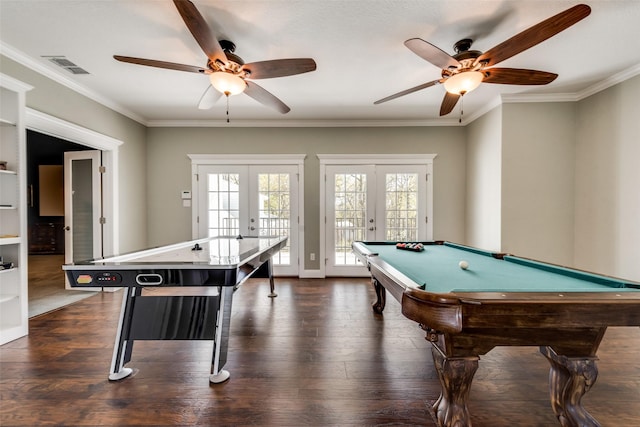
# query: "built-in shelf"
5,122
14,319
14,240
8,298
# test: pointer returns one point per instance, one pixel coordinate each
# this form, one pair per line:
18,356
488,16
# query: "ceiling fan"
464,71
227,72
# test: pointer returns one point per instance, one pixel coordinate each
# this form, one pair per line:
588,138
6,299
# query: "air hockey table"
220,264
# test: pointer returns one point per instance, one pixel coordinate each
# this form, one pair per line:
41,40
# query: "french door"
375,202
83,206
251,200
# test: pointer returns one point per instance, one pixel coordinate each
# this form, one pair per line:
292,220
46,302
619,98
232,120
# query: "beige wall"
484,182
58,101
169,169
538,151
607,181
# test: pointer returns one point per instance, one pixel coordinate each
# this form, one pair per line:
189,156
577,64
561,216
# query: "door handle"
67,228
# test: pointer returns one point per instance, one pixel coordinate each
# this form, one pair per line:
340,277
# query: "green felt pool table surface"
436,269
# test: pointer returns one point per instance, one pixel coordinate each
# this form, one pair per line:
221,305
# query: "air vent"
64,63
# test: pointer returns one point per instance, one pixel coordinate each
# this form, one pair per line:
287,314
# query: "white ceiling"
357,45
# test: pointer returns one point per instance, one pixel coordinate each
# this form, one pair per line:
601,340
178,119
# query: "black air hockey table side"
218,263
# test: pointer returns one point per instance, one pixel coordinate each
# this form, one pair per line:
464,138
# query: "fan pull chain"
227,95
461,108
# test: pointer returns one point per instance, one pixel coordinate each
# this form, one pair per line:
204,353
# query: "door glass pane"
401,207
274,210
350,215
82,212
223,209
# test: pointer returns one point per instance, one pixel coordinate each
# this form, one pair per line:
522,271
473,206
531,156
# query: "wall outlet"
312,256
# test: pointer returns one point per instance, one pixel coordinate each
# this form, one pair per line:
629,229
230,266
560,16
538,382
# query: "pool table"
502,300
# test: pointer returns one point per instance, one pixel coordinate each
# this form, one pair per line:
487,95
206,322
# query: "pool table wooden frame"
462,326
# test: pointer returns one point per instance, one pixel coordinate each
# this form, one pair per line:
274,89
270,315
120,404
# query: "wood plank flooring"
315,355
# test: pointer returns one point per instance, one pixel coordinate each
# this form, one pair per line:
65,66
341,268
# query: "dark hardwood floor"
315,355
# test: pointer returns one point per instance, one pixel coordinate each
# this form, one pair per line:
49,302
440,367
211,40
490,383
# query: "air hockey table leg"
221,340
122,347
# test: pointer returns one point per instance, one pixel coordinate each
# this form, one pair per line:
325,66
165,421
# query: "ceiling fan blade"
517,76
279,67
431,53
209,98
408,91
162,64
450,100
200,30
265,97
534,35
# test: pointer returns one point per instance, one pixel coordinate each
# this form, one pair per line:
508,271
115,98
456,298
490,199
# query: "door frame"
53,126
370,159
198,160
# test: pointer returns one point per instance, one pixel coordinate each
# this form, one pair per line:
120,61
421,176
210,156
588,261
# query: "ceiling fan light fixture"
227,83
464,82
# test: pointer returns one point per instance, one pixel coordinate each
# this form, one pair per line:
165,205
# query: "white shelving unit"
14,317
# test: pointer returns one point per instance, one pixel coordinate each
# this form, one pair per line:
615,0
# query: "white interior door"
251,200
375,203
83,206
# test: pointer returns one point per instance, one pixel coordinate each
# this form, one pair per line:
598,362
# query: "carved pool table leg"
456,375
569,379
381,296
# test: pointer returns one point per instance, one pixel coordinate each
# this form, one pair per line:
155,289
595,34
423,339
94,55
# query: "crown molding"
496,102
300,123
610,81
577,96
25,60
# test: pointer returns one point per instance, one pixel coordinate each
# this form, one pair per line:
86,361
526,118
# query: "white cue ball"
463,265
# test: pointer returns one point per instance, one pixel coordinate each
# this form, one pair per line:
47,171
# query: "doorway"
46,222
250,196
373,198
83,139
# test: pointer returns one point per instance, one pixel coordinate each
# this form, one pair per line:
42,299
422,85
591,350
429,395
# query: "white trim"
53,126
247,159
55,75
379,159
13,84
509,98
283,123
496,102
575,96
610,81
59,128
311,274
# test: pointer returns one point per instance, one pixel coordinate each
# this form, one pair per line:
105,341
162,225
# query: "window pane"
223,209
274,210
350,215
401,204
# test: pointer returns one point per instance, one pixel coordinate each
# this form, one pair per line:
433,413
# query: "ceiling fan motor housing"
466,58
